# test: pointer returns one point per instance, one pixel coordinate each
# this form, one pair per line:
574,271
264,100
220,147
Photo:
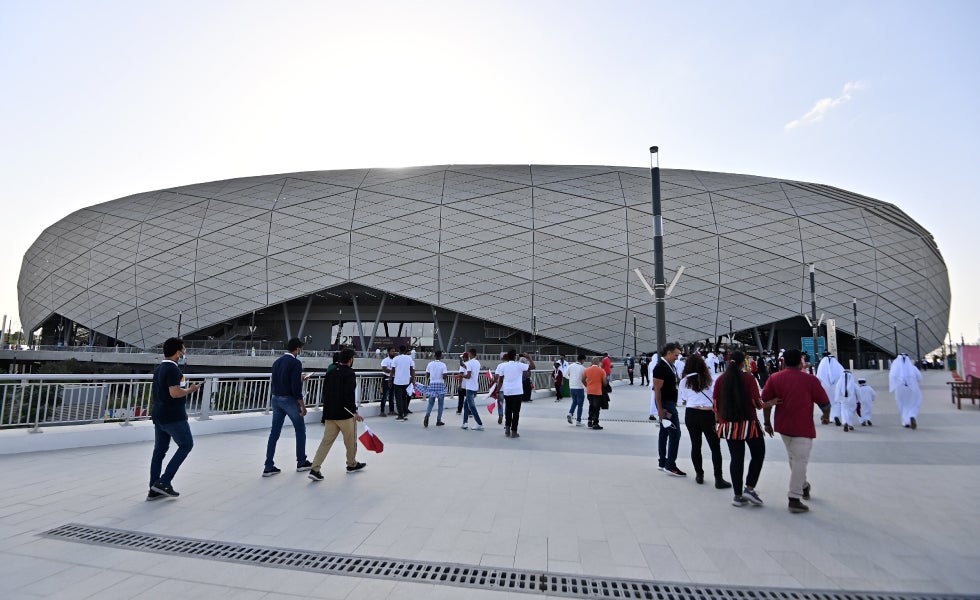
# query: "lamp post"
115,338
895,331
813,310
634,336
857,340
180,320
659,281
918,357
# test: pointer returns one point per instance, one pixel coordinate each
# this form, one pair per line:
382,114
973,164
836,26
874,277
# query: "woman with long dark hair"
736,400
695,393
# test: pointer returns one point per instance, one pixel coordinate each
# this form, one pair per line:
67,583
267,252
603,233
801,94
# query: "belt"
701,407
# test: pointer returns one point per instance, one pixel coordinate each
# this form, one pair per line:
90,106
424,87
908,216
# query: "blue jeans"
432,400
180,433
469,408
578,401
282,407
670,438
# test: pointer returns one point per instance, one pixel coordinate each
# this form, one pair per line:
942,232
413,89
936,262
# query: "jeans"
512,411
180,433
736,448
401,399
282,407
469,408
670,437
527,390
578,400
387,395
432,400
702,422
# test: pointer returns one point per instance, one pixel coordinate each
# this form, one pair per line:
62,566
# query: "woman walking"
695,393
736,399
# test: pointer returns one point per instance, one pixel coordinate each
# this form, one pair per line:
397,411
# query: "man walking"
169,413
437,388
387,388
665,380
287,400
644,363
576,385
402,374
866,400
794,392
629,364
511,381
903,381
595,380
829,372
339,415
471,383
606,364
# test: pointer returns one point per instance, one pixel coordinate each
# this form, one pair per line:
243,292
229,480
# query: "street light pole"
115,338
918,356
857,339
895,331
659,280
180,320
813,310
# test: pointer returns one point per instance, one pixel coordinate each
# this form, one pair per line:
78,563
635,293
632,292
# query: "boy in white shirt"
511,380
436,388
575,372
471,383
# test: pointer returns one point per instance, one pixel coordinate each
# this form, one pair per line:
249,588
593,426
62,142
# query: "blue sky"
107,99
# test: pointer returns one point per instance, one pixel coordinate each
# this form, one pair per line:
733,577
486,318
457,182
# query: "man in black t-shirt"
169,413
665,382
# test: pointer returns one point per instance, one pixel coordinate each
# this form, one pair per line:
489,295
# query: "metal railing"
36,401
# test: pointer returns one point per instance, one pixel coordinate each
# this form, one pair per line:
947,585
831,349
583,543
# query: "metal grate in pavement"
468,576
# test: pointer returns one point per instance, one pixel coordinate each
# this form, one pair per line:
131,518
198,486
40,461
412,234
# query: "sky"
103,99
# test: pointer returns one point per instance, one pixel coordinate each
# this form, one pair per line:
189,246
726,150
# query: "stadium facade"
495,254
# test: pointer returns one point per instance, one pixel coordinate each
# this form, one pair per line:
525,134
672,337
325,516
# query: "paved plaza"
892,509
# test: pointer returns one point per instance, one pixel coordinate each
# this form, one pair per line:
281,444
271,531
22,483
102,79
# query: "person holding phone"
665,380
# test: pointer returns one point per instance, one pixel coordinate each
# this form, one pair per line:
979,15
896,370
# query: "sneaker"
753,497
382,414
151,496
796,506
721,484
506,431
869,424
578,423
459,412
465,426
164,488
401,418
653,418
675,472
356,467
739,501
514,434
569,417
477,428
271,472
913,424
425,421
439,423
500,419
306,466
598,427
699,478
408,412
806,492
661,468
315,475
837,421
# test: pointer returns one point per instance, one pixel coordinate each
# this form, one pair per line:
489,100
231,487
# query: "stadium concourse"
893,510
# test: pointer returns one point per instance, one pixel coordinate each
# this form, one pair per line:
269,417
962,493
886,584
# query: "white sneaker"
579,424
477,428
465,426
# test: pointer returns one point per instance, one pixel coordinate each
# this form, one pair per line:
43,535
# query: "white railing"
35,401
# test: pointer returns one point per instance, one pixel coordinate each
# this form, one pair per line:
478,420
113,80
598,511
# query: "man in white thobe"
846,392
866,397
829,372
903,381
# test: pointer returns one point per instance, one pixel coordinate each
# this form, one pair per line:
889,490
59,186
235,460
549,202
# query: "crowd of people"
722,399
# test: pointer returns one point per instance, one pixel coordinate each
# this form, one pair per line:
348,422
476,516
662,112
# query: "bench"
960,390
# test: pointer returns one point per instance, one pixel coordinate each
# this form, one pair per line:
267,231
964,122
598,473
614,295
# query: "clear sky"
103,99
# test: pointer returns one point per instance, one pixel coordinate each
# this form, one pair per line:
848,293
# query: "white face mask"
182,360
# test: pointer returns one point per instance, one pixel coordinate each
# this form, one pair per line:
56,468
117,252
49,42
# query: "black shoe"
675,472
721,484
164,488
315,475
806,492
869,424
837,421
847,427
506,431
653,418
304,466
439,423
913,424
514,434
500,419
356,467
408,412
796,506
151,496
425,421
384,414
699,478
271,472
597,427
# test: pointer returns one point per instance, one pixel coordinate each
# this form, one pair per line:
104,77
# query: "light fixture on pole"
659,281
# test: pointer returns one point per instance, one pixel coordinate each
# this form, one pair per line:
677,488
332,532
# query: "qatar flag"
371,441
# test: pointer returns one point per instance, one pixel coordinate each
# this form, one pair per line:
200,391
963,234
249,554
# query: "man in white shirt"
437,388
471,383
402,374
387,388
576,371
511,377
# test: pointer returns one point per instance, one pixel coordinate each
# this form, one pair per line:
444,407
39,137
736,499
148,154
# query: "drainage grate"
469,576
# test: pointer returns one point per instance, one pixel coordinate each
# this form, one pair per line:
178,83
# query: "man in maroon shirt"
794,392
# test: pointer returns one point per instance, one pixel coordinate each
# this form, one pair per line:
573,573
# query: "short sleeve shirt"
165,408
513,373
403,365
665,371
575,372
473,383
437,371
798,391
386,362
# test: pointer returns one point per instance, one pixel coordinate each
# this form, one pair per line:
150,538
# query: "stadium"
537,256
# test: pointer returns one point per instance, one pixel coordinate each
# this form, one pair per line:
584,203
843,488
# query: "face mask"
182,360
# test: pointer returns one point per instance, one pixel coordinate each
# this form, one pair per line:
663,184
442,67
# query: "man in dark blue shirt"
287,400
169,413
